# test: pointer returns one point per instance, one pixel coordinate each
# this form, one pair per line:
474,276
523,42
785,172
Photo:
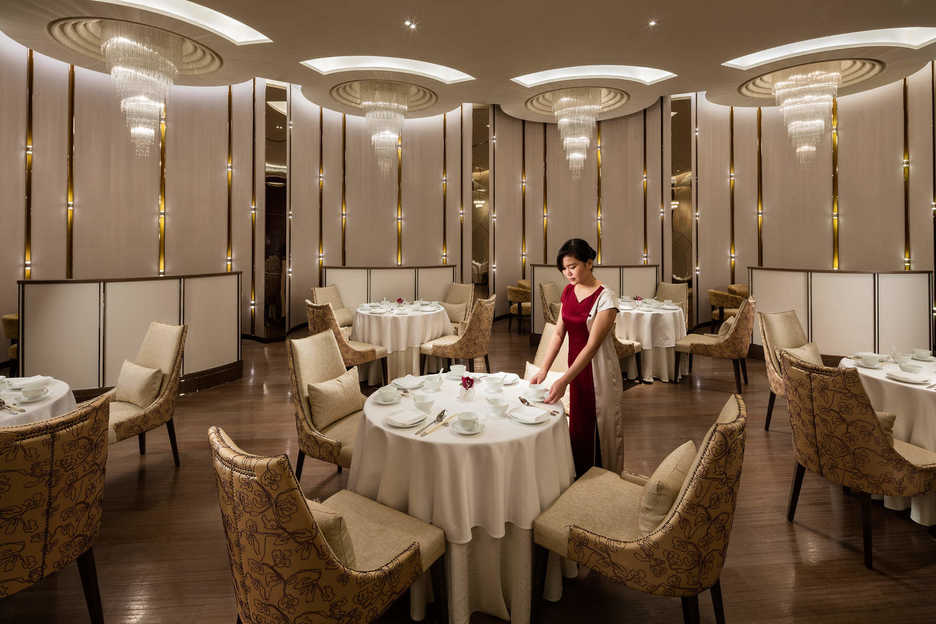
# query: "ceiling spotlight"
652,23
411,24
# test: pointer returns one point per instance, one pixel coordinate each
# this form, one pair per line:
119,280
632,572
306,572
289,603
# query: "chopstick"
436,426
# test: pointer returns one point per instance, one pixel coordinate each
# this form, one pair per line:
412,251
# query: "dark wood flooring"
161,554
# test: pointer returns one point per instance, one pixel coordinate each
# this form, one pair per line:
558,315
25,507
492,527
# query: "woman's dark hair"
578,249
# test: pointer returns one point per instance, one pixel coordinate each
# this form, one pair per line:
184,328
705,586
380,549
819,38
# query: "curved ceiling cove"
643,75
913,38
220,24
334,64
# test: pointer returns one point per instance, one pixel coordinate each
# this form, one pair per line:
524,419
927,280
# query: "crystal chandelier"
385,105
805,96
576,111
143,62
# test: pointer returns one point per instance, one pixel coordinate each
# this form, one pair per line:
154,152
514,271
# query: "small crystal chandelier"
805,96
385,104
576,111
143,63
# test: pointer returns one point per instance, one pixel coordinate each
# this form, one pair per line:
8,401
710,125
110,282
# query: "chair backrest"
677,293
561,363
837,434
779,330
279,558
741,290
52,486
311,360
736,343
518,294
11,326
327,294
549,294
460,293
474,341
321,318
524,283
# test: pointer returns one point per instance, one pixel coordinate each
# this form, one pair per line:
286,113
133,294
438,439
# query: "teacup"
468,421
538,391
458,369
868,359
432,382
493,384
907,367
498,405
922,354
422,401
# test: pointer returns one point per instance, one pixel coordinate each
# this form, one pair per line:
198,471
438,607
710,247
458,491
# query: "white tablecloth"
657,331
401,335
915,407
484,491
58,401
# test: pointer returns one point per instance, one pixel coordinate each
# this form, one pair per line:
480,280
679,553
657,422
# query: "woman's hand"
539,377
557,390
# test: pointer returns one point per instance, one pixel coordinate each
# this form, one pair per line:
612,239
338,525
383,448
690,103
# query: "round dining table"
915,407
484,490
657,329
400,329
58,400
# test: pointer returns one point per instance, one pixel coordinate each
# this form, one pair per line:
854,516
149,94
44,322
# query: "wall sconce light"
698,270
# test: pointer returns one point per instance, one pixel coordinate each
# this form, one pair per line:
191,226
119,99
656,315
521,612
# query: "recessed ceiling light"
652,23
333,64
644,75
220,24
910,37
409,23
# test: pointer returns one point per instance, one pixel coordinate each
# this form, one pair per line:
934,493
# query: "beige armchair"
730,344
677,293
724,304
519,304
838,435
321,318
345,559
626,349
473,343
740,290
11,331
779,330
344,316
551,296
53,487
596,522
162,348
459,294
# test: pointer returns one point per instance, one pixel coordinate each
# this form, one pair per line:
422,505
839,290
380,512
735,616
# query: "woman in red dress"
594,375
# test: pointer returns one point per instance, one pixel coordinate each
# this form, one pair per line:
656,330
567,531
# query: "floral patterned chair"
313,360
321,318
10,324
551,296
731,343
343,315
519,304
162,348
293,560
838,435
595,523
724,304
459,294
51,489
779,330
473,343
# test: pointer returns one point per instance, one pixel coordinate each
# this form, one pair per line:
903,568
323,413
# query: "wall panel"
571,201
622,190
507,190
304,197
534,196
371,201
654,242
240,198
920,130
714,221
422,191
745,207
331,201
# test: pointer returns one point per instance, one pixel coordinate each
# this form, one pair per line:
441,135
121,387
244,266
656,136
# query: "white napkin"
35,382
529,415
408,382
405,418
912,378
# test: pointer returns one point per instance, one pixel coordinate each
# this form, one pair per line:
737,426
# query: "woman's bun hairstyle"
578,249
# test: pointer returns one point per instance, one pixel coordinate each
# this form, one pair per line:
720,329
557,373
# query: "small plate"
926,359
457,428
409,382
671,307
540,415
45,393
378,401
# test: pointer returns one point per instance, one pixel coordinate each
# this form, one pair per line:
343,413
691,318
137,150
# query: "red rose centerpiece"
467,388
399,300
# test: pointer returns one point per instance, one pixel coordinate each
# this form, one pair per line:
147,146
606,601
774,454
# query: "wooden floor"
161,554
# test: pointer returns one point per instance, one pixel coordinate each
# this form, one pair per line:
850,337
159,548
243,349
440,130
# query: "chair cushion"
366,346
809,352
659,493
684,344
599,501
345,431
524,308
334,399
160,346
916,455
442,341
137,384
344,317
380,533
456,311
333,526
120,412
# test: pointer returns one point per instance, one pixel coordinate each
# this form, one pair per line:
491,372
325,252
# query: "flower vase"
466,394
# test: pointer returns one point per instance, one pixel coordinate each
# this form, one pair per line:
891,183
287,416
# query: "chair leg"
770,402
423,364
794,492
690,609
170,427
676,376
89,583
744,370
300,459
487,364
637,361
339,468
141,438
717,604
239,620
866,528
509,322
690,363
471,365
384,371
437,572
737,374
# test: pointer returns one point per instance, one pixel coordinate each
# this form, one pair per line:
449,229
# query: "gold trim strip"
696,170
731,187
598,188
461,193
545,196
835,187
70,179
344,188
493,195
27,233
645,257
444,187
662,199
229,259
523,245
908,261
321,195
162,191
253,206
399,199
760,190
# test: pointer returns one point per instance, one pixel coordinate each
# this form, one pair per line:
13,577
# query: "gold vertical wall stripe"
760,191
461,192
162,191
27,233
344,170
321,193
696,170
906,179
253,205
493,195
731,185
70,179
399,199
545,195
523,245
644,258
662,200
598,189
933,144
228,258
835,183
444,186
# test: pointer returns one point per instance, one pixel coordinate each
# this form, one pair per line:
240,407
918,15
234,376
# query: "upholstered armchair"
740,290
473,343
677,293
11,331
313,360
345,559
162,348
322,318
343,316
779,330
731,343
597,522
626,349
52,486
838,435
724,304
551,297
519,304
456,296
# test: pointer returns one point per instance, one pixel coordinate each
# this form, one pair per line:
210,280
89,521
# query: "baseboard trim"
193,382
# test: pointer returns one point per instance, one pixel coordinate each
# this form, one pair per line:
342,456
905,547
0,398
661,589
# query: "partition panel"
432,282
507,227
745,191
392,284
534,196
609,276
904,321
639,280
920,135
350,282
129,307
371,233
621,190
241,191
714,222
210,311
303,197
422,190
780,291
843,312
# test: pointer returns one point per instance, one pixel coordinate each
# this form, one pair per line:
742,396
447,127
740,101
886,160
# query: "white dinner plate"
877,366
528,415
926,359
44,394
457,428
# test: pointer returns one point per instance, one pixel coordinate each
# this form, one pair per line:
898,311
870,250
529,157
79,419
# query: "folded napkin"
405,418
529,415
911,378
408,382
35,382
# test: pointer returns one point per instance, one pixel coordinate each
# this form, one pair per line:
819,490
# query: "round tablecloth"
657,331
58,401
484,491
401,335
915,407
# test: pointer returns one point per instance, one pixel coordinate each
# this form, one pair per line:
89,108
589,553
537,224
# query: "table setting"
25,400
657,326
903,383
479,455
